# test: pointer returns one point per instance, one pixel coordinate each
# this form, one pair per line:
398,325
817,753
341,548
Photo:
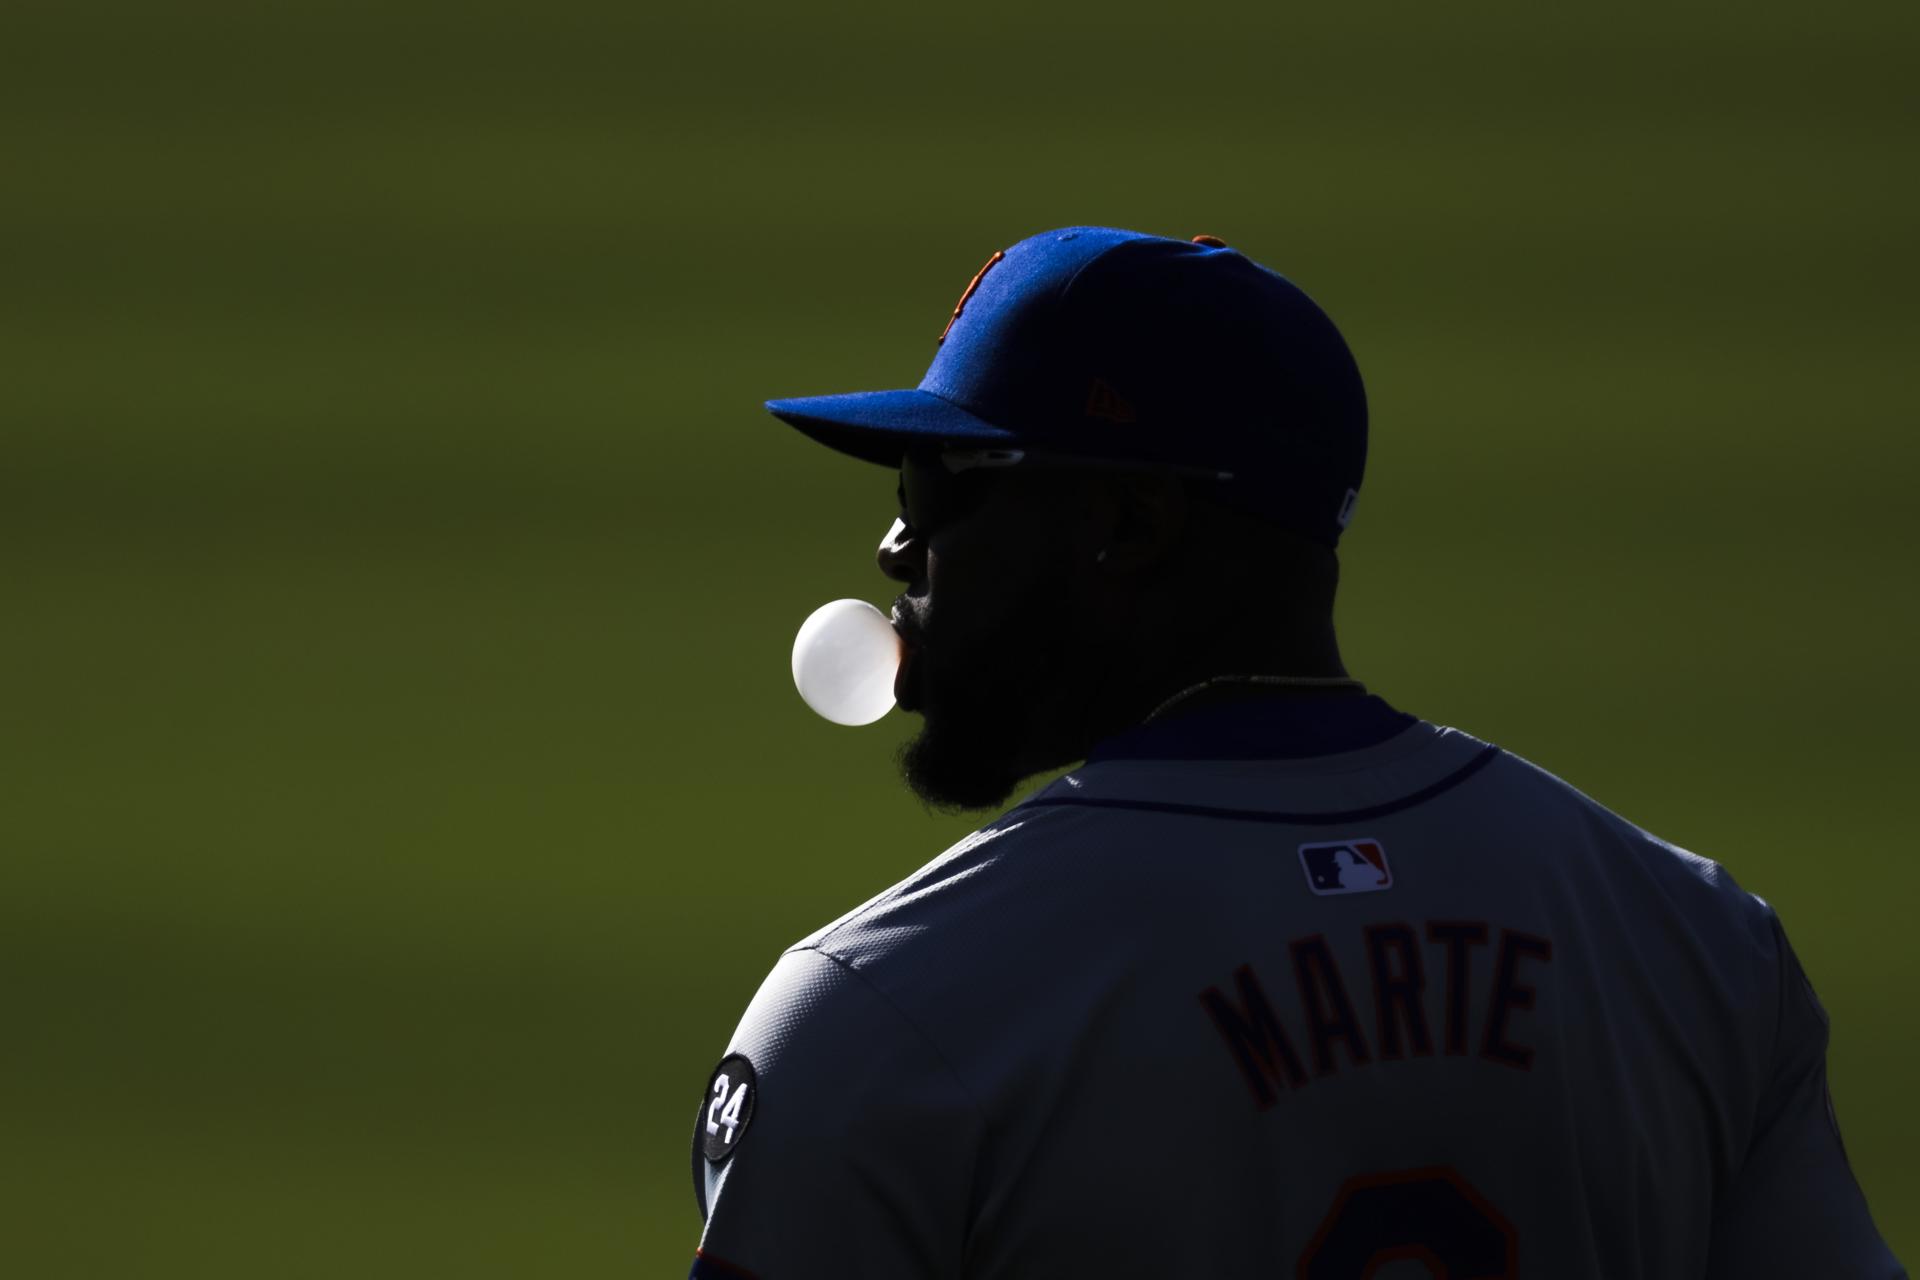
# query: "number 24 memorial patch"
731,1092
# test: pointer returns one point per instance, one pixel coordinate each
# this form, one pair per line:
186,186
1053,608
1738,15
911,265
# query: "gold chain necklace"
1308,682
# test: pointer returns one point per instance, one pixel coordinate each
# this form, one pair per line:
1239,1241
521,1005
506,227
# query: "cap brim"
881,426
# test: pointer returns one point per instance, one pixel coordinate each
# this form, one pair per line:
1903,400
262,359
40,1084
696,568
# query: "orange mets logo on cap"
972,284
1104,402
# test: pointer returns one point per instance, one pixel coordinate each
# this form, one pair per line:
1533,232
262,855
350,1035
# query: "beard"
998,711
963,761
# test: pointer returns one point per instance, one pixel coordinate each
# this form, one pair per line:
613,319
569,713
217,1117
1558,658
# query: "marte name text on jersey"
1393,1024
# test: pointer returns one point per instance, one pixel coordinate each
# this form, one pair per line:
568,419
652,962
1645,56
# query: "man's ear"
1147,516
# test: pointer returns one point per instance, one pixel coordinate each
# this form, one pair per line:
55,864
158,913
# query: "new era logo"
1104,402
1346,866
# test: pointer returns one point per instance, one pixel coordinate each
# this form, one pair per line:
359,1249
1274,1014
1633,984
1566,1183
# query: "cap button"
1212,242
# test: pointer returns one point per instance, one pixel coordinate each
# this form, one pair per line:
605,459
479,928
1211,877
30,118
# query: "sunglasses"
927,504
957,461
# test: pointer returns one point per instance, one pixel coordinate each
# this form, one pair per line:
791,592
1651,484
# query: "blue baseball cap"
1113,347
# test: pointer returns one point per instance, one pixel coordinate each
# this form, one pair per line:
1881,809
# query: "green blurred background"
403,787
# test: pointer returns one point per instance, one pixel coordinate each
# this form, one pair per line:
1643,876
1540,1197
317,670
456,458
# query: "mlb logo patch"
1346,866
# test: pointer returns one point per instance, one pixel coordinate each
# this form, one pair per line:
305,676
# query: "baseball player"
1282,981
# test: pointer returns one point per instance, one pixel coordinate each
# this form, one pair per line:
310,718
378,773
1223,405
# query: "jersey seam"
933,1046
1305,768
816,940
1431,791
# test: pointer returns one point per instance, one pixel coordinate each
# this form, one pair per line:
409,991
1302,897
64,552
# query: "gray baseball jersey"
1300,989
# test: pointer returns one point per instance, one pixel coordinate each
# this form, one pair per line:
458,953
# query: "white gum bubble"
844,661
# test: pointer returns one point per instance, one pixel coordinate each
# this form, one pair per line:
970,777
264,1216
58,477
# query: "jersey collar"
1260,729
